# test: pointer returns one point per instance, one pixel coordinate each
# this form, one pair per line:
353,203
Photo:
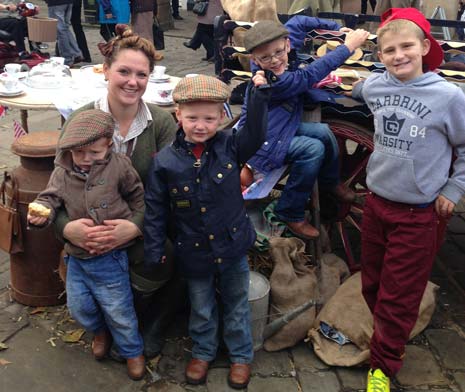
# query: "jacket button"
174,190
101,181
266,143
219,260
91,209
203,209
196,244
89,187
103,205
186,189
197,180
229,166
234,229
211,237
219,175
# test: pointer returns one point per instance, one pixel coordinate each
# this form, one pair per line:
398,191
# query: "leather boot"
101,344
343,193
136,367
303,229
160,313
239,375
196,371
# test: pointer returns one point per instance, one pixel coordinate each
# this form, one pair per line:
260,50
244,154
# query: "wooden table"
42,98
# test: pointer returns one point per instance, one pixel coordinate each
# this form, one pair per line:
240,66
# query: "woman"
204,32
141,131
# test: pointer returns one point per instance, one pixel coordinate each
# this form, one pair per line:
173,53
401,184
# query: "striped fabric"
201,88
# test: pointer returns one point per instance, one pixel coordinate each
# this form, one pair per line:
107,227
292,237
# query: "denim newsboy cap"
263,32
200,88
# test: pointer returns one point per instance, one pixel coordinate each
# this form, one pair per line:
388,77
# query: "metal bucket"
259,297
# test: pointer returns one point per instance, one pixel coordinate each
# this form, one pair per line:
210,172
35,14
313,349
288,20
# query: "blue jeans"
67,44
99,296
313,154
232,281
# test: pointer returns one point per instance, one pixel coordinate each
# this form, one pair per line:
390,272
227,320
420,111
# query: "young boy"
195,183
419,123
91,181
310,148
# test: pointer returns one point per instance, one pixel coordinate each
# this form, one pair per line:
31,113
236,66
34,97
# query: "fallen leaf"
40,309
3,166
73,336
52,341
4,362
3,346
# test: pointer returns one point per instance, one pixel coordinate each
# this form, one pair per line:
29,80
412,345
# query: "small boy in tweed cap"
96,185
196,183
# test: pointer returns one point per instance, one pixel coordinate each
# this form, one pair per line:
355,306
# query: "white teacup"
12,68
9,81
58,60
192,75
159,71
164,95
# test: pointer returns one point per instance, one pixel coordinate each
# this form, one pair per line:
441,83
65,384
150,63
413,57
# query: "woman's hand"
77,232
112,234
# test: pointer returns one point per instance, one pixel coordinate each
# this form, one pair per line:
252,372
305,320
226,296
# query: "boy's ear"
178,114
426,46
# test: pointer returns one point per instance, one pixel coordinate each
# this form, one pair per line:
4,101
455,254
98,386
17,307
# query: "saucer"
162,79
11,93
163,103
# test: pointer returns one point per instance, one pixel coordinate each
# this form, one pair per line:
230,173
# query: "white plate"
11,93
159,80
163,103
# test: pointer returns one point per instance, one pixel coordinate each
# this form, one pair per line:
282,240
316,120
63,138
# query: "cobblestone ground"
37,359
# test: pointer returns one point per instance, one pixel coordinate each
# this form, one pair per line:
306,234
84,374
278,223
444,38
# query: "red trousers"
399,244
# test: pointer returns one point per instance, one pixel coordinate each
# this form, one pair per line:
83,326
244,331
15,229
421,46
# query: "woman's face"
127,77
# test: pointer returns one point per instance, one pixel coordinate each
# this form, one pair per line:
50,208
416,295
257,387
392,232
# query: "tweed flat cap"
85,128
263,32
200,88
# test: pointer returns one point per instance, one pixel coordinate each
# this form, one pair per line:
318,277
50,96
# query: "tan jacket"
111,190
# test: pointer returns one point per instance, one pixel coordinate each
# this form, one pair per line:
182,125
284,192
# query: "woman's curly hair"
126,39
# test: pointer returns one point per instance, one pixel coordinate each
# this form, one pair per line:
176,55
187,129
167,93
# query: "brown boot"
303,229
101,344
343,193
196,371
136,367
239,375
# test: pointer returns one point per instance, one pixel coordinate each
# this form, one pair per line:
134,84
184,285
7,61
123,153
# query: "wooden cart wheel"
355,146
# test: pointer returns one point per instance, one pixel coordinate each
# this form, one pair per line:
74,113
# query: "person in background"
111,12
461,17
142,18
15,27
364,6
78,31
67,45
175,10
383,5
203,34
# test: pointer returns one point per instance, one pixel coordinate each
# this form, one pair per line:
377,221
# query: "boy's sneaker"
377,381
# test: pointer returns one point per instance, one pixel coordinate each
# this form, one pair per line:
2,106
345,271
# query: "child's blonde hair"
398,25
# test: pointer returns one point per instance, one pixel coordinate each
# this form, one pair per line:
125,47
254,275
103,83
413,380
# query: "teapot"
49,74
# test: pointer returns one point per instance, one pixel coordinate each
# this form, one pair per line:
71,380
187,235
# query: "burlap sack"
348,312
332,273
250,10
238,36
244,60
293,283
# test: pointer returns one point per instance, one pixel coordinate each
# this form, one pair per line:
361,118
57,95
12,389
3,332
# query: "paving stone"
273,384
420,368
172,368
165,386
267,364
450,346
459,378
217,380
305,358
325,381
352,378
4,279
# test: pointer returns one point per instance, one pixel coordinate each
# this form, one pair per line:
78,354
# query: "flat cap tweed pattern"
86,128
263,32
201,88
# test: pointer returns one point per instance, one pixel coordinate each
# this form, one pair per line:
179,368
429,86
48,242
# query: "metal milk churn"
33,273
